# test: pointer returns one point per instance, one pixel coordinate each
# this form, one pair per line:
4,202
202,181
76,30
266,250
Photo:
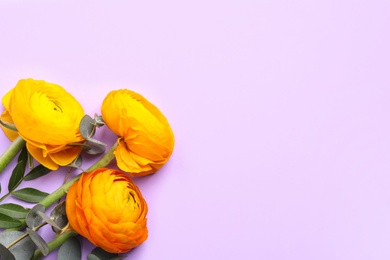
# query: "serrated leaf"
33,219
8,222
22,250
99,254
37,172
29,195
13,210
58,215
38,241
71,249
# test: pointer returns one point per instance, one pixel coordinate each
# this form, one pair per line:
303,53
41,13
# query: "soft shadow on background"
279,109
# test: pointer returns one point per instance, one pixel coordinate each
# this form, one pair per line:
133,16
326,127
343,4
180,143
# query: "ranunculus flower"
107,208
145,137
47,118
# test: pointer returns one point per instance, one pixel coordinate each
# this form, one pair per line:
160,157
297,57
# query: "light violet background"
280,111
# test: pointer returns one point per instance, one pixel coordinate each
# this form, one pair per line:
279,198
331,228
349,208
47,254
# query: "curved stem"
11,151
56,242
61,191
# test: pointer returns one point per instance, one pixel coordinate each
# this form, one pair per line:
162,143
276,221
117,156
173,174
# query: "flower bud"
107,208
145,137
47,118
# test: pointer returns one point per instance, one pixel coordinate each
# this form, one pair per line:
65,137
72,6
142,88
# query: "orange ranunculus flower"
107,208
145,137
47,118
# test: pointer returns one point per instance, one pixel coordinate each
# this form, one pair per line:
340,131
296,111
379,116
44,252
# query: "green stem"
11,151
5,196
56,242
26,235
61,191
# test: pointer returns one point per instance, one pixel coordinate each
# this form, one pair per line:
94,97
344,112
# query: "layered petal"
6,117
47,118
146,139
107,208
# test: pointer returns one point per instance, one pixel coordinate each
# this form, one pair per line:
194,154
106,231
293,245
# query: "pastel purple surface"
280,111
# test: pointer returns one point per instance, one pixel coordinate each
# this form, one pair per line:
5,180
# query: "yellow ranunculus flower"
145,137
47,118
107,208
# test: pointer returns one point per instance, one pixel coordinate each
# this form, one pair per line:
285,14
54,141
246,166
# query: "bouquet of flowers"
49,129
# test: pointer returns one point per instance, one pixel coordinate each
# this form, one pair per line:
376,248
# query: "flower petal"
108,209
6,117
38,154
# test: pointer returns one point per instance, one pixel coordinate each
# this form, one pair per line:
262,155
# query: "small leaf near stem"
8,125
33,219
25,235
38,241
18,172
58,215
71,249
56,242
24,249
36,172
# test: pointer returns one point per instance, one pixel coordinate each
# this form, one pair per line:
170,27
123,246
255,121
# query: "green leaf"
30,161
8,125
37,172
22,250
100,254
17,176
99,122
18,173
87,127
33,219
71,249
91,147
5,253
29,195
8,222
58,215
13,210
48,220
23,156
38,241
77,163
